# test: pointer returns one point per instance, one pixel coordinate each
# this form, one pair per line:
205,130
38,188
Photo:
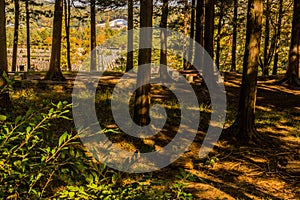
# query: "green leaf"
62,138
71,194
28,129
6,130
72,153
5,76
18,118
3,118
28,112
17,163
53,151
51,110
59,105
64,117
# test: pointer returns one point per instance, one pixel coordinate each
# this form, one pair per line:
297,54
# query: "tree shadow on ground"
259,169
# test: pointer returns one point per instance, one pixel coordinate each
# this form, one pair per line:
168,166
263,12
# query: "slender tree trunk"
28,33
67,6
16,35
54,72
199,32
93,36
220,24
209,27
267,39
4,96
129,64
163,39
275,67
199,22
192,36
234,36
185,24
292,73
3,46
142,97
246,113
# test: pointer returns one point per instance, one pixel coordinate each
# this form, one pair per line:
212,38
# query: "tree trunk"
93,36
234,36
142,97
278,35
4,96
292,73
220,24
28,34
67,6
16,35
129,64
54,72
199,31
3,47
245,120
267,39
185,24
199,22
192,36
209,27
163,72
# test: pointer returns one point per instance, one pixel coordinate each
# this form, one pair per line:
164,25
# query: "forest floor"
257,171
254,171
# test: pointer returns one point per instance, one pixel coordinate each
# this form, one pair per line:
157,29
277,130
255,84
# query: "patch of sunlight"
24,93
266,109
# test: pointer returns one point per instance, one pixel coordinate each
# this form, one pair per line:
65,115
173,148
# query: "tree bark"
278,35
54,72
234,36
199,22
267,39
209,27
129,64
93,36
67,7
199,32
28,34
3,46
142,97
245,121
292,73
192,36
220,24
163,72
16,36
4,95
185,24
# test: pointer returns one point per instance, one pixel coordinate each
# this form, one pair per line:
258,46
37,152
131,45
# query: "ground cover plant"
42,157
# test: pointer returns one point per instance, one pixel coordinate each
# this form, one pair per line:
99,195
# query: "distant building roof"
116,23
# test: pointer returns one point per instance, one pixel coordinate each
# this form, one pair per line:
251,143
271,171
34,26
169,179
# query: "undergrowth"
38,162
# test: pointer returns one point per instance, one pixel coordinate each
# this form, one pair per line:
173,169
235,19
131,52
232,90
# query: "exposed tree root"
240,137
291,81
56,76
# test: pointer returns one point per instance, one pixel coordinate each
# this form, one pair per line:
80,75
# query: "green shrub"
36,163
28,162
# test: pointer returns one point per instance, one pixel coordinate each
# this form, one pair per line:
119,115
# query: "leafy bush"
27,163
36,163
